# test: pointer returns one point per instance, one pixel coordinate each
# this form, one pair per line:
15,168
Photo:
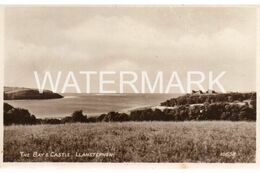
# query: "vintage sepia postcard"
166,84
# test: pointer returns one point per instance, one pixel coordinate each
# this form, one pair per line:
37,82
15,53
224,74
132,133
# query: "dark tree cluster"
76,116
17,116
22,116
110,117
148,115
209,98
213,111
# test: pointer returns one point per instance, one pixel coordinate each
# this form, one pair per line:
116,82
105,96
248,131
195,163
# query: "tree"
78,116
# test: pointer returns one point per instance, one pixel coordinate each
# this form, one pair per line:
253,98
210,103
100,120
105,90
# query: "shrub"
51,121
113,116
78,116
17,116
92,119
7,107
66,120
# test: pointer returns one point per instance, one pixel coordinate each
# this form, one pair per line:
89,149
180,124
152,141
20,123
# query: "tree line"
209,98
214,111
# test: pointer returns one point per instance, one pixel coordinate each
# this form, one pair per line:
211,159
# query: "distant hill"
19,93
201,98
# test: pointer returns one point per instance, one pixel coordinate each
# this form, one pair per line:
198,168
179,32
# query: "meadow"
152,141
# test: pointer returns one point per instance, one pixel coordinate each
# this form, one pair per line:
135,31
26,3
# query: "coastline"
91,104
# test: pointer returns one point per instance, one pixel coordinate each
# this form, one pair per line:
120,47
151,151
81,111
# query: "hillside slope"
17,93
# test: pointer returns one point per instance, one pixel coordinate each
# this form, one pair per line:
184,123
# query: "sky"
120,38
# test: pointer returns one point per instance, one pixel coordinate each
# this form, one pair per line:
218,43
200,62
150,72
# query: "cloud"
115,30
121,42
125,38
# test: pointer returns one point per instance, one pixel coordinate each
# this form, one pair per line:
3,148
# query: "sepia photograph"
134,84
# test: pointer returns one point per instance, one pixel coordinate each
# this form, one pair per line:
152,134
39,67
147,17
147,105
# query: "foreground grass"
215,141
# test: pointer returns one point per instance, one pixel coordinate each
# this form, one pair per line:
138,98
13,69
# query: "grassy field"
216,141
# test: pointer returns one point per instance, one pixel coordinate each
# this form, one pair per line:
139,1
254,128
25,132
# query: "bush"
76,116
51,121
7,107
66,120
113,116
92,119
17,116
